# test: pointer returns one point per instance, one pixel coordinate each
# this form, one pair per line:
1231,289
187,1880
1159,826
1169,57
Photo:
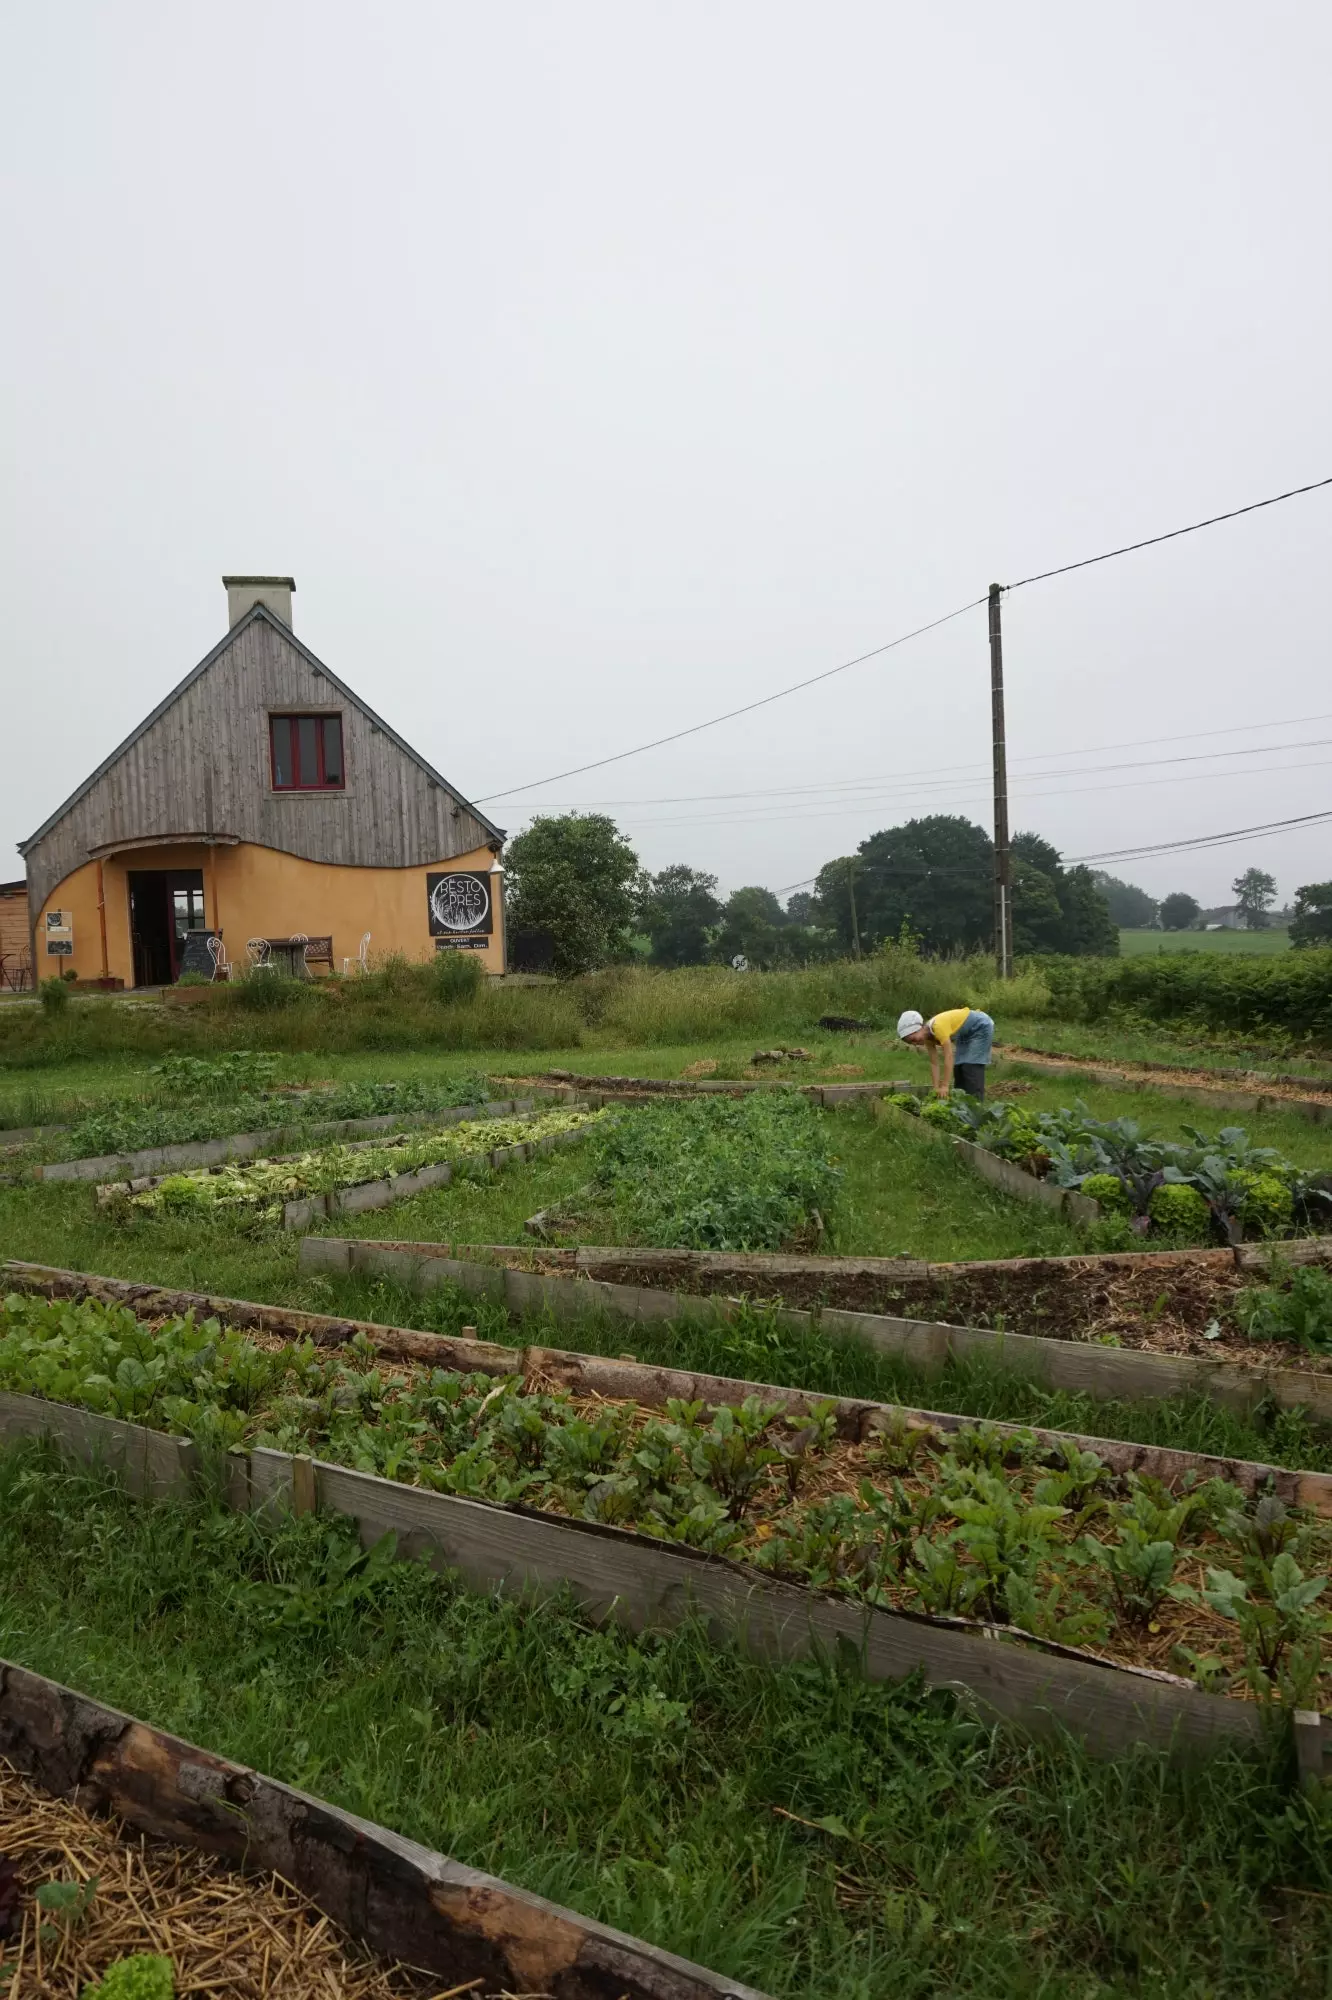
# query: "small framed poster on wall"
460,909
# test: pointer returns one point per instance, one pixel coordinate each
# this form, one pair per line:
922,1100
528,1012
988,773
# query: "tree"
1089,929
1057,908
1131,908
1254,892
752,924
679,910
571,875
1312,921
801,908
936,873
1180,912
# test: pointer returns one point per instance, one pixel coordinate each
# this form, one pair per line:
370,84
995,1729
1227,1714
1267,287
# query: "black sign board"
460,906
60,947
195,955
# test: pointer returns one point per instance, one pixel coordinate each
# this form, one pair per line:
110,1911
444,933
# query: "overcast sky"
596,368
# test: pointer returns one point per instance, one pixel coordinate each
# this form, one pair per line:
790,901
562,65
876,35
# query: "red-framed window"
305,752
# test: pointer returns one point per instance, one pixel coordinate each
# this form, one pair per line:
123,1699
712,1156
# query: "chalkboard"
195,955
459,903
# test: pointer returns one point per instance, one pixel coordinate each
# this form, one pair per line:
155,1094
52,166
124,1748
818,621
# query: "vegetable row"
260,1188
1216,1187
977,1523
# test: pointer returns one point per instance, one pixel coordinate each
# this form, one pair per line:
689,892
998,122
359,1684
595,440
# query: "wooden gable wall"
202,767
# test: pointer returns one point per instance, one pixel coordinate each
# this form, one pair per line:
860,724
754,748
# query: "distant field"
1134,943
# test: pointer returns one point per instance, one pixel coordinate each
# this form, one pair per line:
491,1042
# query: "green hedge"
1291,992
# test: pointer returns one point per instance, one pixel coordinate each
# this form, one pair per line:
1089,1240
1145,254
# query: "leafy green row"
978,1523
1213,1186
231,1096
719,1173
264,1185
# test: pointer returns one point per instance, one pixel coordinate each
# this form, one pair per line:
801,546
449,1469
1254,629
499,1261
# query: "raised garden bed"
152,1161
1306,1096
237,1867
1237,1374
297,1188
919,1535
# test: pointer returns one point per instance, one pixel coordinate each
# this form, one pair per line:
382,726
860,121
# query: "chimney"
273,592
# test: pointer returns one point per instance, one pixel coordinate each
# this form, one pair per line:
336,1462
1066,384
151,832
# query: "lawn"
1133,943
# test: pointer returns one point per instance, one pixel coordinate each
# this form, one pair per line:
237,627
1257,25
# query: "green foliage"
936,871
145,1976
265,991
1178,1211
798,1827
573,875
1311,923
1299,1309
992,1524
1288,993
229,1096
718,1173
55,996
1267,1203
1110,1191
679,911
1254,892
457,976
263,1186
1130,908
1180,912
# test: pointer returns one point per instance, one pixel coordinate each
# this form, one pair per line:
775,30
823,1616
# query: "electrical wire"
922,781
600,762
1129,547
1203,840
676,736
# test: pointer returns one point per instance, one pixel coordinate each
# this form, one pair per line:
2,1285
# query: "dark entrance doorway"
164,906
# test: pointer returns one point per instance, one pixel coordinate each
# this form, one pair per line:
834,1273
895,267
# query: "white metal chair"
302,939
260,953
362,958
217,951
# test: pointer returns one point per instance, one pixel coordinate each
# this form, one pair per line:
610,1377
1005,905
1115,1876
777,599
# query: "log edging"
406,1902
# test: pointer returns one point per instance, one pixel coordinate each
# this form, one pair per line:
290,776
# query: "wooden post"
1308,1747
1003,878
304,1494
101,917
851,885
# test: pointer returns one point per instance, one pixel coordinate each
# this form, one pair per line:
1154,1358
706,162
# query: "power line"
1203,840
951,771
600,762
1291,494
695,729
923,781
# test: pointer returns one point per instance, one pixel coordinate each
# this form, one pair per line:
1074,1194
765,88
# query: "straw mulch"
229,1937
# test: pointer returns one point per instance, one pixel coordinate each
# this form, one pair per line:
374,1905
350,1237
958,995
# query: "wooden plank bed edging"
593,1375
1250,1101
646,1584
1078,1366
151,1160
407,1903
1079,1208
302,1213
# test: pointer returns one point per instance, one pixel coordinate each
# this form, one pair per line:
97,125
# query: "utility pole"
851,885
1003,871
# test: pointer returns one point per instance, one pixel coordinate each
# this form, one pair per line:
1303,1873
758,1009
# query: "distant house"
261,801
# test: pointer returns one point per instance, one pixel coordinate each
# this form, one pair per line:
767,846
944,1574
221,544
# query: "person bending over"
959,1042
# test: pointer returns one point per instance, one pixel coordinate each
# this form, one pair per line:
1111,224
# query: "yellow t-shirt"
944,1026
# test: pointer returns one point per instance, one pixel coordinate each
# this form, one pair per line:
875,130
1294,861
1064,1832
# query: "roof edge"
256,611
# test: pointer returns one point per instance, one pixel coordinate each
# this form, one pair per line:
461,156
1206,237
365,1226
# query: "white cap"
908,1023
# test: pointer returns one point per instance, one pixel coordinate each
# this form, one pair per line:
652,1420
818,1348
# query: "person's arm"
948,1059
934,1065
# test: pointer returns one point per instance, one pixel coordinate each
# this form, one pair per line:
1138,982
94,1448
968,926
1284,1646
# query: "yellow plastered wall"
252,891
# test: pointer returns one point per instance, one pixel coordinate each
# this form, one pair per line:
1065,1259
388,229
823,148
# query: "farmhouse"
264,807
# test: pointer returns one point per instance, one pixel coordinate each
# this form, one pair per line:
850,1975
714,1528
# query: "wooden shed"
15,938
265,805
